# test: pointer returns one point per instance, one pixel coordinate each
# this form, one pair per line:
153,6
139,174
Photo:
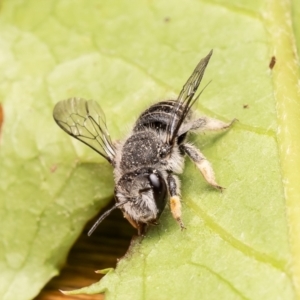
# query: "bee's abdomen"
158,116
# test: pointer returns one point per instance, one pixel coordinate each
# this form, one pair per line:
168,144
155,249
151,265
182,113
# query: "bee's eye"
159,191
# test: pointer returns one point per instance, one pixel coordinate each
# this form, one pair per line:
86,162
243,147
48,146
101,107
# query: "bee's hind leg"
202,164
175,203
209,124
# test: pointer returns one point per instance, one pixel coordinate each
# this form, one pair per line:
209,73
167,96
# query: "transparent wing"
85,121
186,99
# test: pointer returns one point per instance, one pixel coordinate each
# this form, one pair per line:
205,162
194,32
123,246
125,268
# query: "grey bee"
145,163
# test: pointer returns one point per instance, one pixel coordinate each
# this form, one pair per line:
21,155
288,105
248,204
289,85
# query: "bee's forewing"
186,99
85,121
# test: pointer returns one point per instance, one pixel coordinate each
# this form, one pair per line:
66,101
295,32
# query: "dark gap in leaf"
108,243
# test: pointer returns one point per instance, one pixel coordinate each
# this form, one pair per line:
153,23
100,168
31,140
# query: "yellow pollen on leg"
175,207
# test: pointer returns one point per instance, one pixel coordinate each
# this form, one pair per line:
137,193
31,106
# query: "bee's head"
145,194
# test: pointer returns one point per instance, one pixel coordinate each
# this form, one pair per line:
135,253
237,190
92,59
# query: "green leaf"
239,244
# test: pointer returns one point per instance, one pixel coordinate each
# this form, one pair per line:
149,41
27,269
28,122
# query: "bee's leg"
175,204
141,227
202,163
210,124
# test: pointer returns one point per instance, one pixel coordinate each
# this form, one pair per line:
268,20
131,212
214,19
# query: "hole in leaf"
107,244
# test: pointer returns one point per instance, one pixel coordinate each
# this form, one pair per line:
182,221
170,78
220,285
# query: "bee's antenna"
102,217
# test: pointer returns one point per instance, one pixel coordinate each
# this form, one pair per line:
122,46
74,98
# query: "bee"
146,163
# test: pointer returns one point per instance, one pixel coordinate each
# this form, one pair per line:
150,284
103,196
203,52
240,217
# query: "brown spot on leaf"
53,168
272,62
245,106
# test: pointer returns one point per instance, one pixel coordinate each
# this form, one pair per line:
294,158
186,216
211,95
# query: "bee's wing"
85,121
186,99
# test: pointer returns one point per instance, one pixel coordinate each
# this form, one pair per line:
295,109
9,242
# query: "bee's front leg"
141,227
175,204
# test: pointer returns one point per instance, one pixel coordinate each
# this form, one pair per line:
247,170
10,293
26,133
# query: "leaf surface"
241,244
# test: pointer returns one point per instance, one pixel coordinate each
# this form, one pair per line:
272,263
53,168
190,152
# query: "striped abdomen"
158,116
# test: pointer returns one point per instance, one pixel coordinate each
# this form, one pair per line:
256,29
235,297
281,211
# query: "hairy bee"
145,163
